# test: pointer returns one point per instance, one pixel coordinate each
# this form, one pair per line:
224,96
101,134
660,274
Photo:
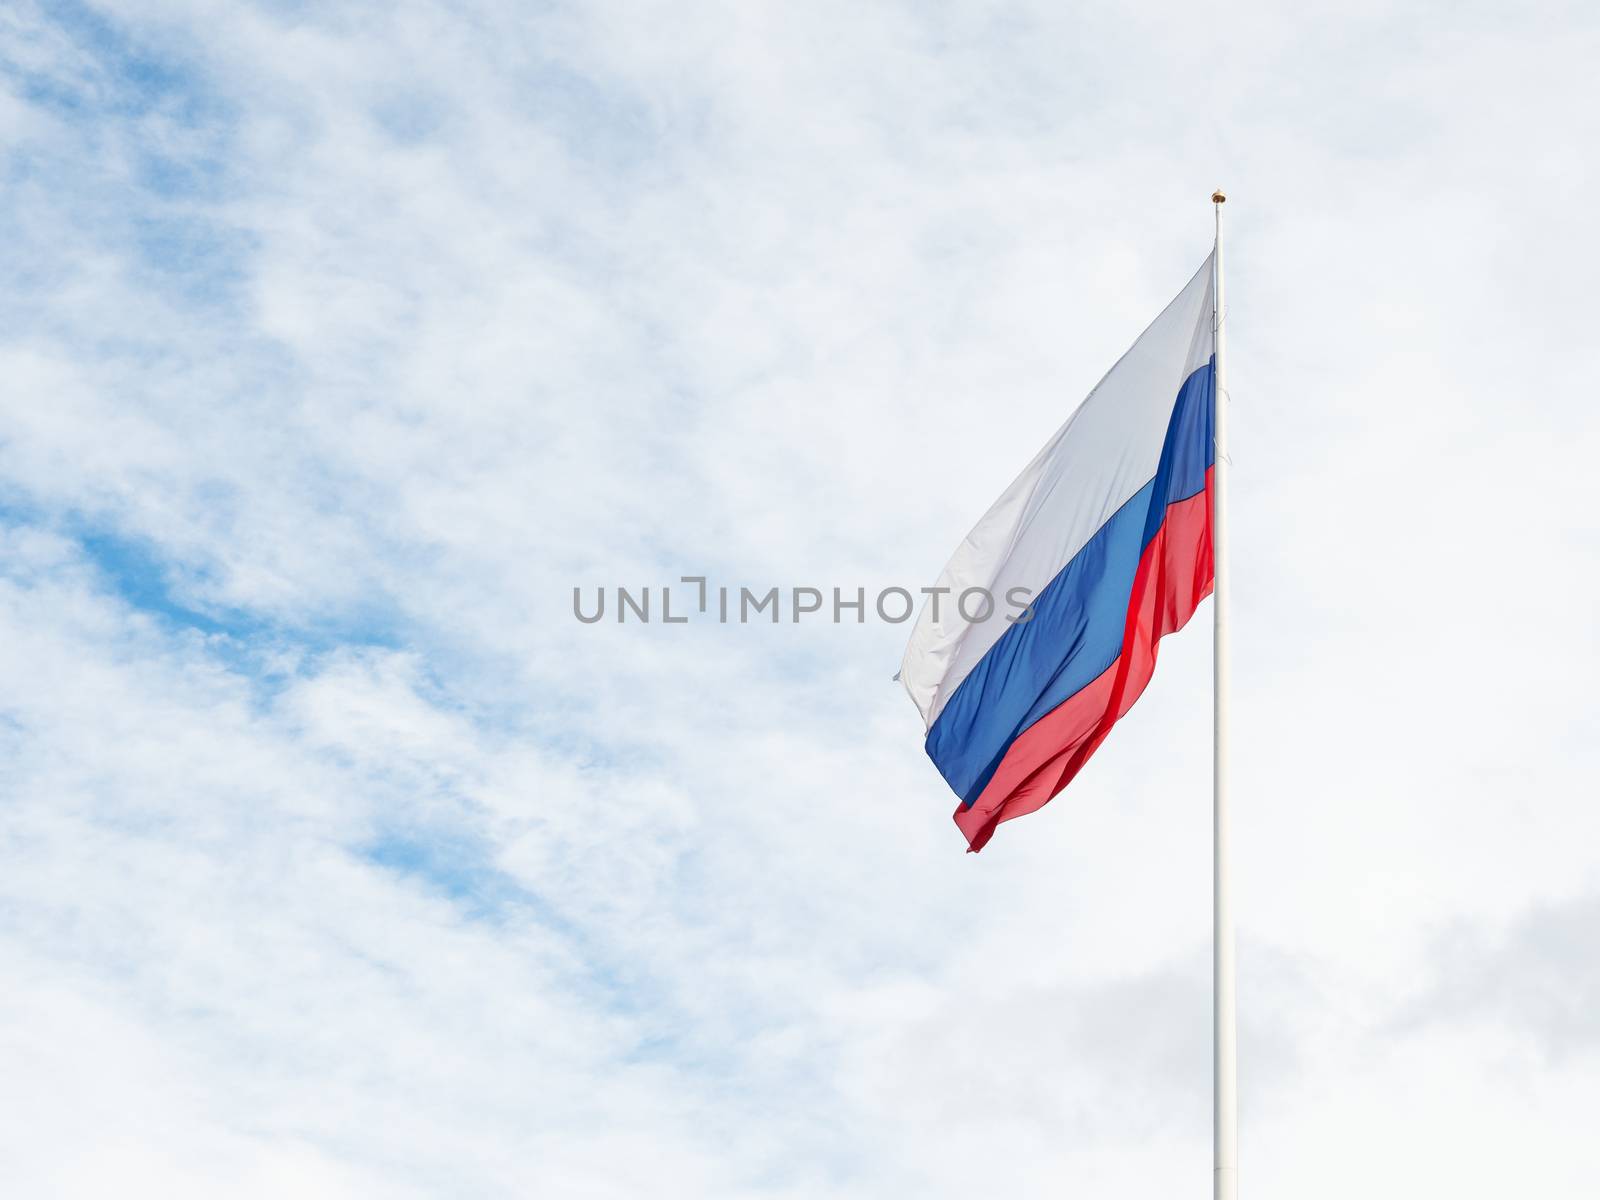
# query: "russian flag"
1109,529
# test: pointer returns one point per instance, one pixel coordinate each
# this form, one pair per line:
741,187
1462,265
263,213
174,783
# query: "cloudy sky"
340,342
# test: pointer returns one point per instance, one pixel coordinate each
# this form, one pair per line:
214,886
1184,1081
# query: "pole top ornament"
1218,198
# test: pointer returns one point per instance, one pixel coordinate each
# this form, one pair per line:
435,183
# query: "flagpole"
1225,1099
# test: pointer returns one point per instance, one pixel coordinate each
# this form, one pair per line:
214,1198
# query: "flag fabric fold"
1109,530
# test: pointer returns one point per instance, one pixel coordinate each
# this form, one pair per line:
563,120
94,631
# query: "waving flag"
1110,530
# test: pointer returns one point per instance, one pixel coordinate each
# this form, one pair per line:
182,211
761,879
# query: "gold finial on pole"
1217,197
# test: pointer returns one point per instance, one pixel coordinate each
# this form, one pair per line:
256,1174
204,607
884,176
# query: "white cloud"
343,342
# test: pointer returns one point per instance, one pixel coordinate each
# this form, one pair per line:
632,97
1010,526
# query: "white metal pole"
1225,1098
